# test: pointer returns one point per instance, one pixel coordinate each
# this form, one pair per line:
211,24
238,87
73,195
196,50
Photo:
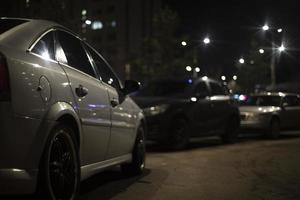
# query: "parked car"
271,112
64,114
176,110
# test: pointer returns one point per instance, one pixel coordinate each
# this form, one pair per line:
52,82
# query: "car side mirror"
130,86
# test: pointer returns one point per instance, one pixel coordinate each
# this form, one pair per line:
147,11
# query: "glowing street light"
206,40
88,22
241,60
223,78
279,30
188,68
281,48
234,77
265,27
197,69
183,43
261,51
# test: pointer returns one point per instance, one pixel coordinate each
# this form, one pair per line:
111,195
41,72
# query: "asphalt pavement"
254,168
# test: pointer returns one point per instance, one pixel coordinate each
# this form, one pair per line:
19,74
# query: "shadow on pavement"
108,184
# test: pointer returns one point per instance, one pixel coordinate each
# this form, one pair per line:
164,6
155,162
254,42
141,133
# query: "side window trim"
105,62
31,47
38,39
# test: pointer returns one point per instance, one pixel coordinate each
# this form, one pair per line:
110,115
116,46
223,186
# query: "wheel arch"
63,112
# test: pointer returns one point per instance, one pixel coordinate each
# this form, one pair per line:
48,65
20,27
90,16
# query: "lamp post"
273,56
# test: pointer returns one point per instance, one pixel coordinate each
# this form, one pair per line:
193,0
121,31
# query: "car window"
105,72
45,46
291,101
201,90
164,88
74,53
217,89
262,100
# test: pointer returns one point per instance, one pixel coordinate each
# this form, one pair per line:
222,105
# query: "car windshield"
262,101
164,88
7,24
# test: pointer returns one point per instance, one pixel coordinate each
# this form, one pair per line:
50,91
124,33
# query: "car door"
220,103
92,102
291,112
202,116
123,124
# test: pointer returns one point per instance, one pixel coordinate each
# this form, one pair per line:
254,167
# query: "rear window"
7,24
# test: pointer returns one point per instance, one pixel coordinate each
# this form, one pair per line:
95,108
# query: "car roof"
23,35
194,80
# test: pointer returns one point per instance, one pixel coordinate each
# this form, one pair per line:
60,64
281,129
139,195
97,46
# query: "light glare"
265,27
188,68
261,51
206,40
241,60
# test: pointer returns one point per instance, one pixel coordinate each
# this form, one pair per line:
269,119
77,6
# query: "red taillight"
4,80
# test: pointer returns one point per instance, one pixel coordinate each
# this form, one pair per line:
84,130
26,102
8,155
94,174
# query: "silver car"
64,115
271,112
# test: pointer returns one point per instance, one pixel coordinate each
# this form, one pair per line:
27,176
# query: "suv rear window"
7,24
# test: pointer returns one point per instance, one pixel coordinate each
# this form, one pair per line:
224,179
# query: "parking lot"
254,168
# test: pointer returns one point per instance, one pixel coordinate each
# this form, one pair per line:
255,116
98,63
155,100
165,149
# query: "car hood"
145,102
259,109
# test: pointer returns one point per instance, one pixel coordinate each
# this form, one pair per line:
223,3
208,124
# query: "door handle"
81,91
114,102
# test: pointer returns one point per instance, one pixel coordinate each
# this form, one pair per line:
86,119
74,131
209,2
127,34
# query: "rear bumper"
17,181
21,146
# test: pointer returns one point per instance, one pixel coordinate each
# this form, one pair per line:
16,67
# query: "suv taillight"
4,80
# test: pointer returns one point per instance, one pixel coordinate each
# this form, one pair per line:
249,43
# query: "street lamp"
281,48
197,69
206,40
223,78
234,77
265,27
261,51
183,43
241,60
188,68
273,58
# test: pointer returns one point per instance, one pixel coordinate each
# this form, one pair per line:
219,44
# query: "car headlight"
155,110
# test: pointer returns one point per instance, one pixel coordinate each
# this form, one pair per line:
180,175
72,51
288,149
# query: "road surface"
251,169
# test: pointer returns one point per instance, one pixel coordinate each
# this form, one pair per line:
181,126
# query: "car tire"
231,131
274,129
59,175
138,163
179,134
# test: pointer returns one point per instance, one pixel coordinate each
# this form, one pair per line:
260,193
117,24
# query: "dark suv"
176,110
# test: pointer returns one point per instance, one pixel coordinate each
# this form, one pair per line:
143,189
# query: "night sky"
231,25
